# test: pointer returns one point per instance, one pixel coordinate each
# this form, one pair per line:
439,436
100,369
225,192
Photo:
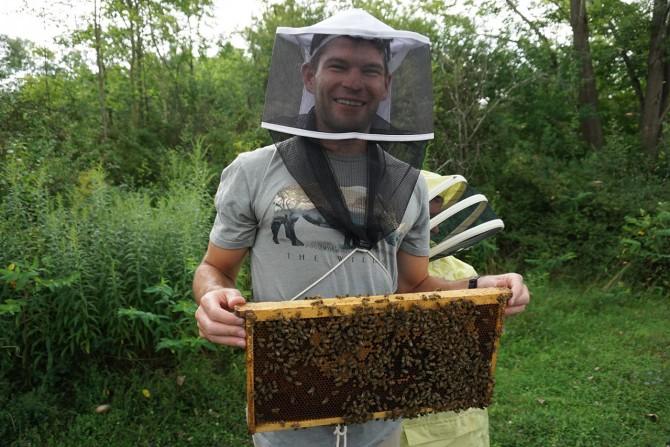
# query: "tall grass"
100,271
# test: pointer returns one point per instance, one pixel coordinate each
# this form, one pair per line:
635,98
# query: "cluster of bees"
401,361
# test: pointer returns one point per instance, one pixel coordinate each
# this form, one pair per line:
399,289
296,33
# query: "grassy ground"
200,403
576,369
585,369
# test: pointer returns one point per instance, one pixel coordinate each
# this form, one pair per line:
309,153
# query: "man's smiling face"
348,84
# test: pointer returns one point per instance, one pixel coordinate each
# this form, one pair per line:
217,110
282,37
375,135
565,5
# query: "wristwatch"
472,282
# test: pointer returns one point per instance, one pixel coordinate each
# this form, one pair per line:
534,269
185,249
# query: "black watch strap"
472,282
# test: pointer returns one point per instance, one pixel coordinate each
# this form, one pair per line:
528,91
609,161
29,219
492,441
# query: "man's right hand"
216,320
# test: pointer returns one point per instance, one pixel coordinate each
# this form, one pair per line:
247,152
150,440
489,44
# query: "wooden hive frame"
489,302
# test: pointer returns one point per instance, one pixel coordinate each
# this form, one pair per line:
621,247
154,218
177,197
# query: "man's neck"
345,147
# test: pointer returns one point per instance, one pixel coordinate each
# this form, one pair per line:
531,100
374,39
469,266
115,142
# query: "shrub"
84,271
570,210
645,248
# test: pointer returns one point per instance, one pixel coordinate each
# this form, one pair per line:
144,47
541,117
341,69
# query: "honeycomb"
320,362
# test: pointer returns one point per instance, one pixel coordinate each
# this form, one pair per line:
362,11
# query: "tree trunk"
144,101
102,98
590,123
656,98
133,69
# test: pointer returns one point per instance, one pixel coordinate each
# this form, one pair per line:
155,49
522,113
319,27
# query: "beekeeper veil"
460,216
352,78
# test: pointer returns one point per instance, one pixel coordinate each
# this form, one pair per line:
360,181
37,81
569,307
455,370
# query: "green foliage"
555,205
14,55
25,411
540,269
158,93
85,271
645,247
176,330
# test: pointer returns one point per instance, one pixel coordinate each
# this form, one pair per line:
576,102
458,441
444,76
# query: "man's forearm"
208,278
432,283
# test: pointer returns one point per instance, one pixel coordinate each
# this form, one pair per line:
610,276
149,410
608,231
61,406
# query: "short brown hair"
315,48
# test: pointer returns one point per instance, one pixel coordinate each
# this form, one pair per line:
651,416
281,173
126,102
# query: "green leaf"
184,306
631,242
134,314
11,307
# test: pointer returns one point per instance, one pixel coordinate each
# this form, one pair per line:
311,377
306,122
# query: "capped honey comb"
352,359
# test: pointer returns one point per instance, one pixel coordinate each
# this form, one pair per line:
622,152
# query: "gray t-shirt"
260,206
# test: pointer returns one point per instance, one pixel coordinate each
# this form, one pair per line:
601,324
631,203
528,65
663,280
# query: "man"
355,218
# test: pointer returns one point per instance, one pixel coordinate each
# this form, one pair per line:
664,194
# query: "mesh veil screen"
354,79
465,219
407,111
390,183
466,243
468,217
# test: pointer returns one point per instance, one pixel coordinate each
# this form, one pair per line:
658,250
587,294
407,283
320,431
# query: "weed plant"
645,248
100,272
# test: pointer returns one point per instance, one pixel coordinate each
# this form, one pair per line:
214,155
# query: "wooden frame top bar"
316,307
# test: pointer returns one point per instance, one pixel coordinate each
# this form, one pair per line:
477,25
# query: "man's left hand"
514,282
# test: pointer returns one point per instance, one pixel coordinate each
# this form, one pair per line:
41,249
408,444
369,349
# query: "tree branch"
499,37
498,100
536,30
630,68
634,80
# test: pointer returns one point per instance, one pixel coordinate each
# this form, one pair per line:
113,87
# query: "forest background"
108,165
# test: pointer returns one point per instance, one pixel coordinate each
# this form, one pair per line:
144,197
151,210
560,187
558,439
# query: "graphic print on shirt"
291,204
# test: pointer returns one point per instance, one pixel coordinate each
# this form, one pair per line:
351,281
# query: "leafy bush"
566,216
645,247
98,272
